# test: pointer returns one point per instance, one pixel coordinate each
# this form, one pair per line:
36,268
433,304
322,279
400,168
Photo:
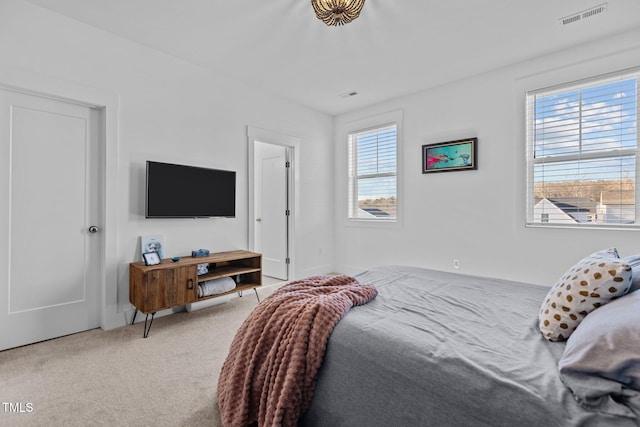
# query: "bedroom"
170,109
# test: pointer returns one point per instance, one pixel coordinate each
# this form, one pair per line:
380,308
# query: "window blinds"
582,152
372,174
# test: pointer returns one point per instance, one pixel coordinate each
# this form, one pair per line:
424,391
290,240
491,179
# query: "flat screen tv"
180,191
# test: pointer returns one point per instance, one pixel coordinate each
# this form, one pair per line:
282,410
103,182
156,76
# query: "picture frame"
152,243
151,258
449,156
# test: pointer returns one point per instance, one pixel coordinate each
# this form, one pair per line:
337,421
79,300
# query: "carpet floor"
117,377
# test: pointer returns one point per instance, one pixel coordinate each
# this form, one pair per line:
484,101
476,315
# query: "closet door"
50,237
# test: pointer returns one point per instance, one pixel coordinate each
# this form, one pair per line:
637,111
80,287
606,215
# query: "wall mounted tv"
180,191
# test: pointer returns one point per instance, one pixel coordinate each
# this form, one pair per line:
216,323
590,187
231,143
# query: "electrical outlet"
456,263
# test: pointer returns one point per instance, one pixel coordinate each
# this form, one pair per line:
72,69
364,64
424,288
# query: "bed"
444,349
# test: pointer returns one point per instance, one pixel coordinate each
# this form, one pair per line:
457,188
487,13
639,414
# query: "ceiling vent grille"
579,16
348,94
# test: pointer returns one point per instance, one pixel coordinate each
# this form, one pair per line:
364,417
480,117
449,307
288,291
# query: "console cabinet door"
170,287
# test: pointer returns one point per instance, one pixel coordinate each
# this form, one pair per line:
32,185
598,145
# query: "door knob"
93,229
258,219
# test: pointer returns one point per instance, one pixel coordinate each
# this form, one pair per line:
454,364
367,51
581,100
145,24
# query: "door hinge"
287,212
287,164
287,261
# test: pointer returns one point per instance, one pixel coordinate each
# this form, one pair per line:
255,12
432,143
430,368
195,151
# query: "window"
373,170
582,153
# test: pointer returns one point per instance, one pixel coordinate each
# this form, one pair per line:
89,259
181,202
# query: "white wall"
170,110
478,216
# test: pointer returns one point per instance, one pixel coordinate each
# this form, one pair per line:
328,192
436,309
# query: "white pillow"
592,282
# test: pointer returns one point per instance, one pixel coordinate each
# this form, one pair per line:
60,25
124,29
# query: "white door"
49,200
272,210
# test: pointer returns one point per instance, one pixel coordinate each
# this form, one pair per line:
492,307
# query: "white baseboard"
348,269
316,271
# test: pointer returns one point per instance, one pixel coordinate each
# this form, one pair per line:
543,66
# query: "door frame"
292,144
106,103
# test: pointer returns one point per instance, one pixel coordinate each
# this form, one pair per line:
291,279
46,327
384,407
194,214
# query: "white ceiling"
394,48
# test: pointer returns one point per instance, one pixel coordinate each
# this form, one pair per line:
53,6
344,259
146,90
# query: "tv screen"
179,191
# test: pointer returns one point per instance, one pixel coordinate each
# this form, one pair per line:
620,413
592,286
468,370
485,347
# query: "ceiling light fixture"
337,12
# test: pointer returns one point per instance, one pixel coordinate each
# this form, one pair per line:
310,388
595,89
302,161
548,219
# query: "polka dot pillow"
592,282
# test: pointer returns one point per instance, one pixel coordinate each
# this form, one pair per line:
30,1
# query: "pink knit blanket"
270,373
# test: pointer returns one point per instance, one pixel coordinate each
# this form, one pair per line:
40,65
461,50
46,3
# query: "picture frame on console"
153,243
151,258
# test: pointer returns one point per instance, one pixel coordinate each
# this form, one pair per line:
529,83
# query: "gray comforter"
444,349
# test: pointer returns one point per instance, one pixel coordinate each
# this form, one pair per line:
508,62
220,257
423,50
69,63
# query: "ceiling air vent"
348,94
579,16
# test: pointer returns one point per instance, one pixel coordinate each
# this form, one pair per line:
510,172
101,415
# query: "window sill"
372,223
634,227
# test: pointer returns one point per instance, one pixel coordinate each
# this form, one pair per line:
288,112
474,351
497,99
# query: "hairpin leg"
146,330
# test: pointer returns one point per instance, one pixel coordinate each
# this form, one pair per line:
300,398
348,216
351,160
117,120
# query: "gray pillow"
634,262
601,361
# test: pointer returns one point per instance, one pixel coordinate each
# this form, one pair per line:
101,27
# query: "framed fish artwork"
450,156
